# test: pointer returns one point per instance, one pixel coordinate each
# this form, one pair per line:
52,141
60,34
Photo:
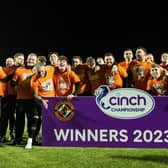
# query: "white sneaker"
29,143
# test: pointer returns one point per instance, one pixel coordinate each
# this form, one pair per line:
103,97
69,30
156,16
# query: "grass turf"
71,157
68,157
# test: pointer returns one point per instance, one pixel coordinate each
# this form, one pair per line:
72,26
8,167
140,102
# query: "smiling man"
67,82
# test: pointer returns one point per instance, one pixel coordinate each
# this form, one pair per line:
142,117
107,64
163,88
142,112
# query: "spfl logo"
64,110
124,103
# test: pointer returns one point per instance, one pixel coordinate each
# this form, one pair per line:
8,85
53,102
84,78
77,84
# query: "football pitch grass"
76,157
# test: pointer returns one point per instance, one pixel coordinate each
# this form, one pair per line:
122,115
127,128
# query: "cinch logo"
64,110
124,103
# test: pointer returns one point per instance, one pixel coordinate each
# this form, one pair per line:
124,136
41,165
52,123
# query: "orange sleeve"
122,71
124,65
118,81
34,83
149,84
35,87
50,70
2,73
16,76
2,84
74,77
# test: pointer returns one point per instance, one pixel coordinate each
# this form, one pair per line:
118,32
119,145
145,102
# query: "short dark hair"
42,59
88,59
18,54
77,57
108,54
143,48
50,53
63,57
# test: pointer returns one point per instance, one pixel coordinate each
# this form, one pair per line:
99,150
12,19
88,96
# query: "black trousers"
25,108
9,106
1,115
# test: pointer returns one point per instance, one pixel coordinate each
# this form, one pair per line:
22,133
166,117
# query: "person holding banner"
43,86
42,83
25,101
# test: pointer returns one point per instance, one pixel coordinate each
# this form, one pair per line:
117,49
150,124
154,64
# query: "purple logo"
133,100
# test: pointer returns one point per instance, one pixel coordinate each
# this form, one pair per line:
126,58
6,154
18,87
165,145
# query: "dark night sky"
41,30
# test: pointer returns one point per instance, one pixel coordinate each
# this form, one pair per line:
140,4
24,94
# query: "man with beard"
157,85
9,101
25,101
136,67
67,82
114,73
128,56
81,70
